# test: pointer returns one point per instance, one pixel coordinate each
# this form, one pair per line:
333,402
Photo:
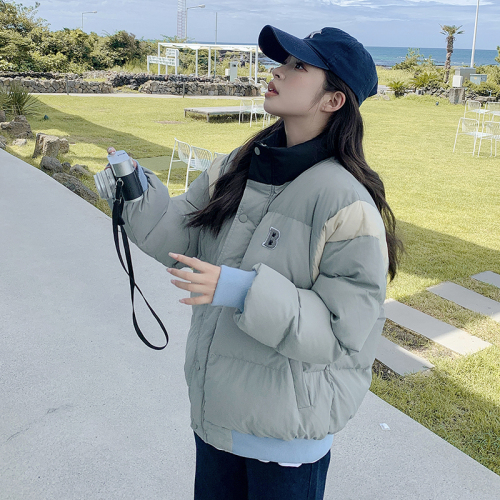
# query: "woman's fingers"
196,301
193,262
203,282
187,275
111,151
190,286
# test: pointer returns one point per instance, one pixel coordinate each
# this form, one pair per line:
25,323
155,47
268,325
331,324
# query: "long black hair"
344,140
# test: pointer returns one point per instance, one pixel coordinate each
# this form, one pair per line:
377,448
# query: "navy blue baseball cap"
330,49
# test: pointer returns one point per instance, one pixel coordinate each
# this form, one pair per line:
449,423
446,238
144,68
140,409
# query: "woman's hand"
204,282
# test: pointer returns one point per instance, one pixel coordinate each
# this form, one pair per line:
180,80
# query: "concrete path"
88,412
488,277
442,333
399,359
468,299
381,88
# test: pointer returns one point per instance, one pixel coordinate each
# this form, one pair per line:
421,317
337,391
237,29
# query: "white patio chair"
493,109
468,126
202,158
257,110
245,109
475,107
491,132
184,155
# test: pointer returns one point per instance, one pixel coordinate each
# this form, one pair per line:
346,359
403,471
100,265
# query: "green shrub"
398,87
426,81
18,101
488,89
493,72
413,59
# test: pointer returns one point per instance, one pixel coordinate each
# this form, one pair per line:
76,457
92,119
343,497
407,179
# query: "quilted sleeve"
334,317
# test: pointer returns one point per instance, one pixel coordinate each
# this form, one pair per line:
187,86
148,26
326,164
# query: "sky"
383,23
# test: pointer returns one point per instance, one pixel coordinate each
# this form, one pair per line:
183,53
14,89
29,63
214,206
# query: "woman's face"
295,89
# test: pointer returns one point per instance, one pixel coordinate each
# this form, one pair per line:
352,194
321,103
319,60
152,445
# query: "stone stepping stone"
488,277
400,360
468,299
438,331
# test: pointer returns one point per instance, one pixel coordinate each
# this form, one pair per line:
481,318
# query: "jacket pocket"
299,384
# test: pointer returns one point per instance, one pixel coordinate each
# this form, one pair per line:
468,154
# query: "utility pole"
474,39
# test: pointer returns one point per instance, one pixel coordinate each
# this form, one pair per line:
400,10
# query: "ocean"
389,56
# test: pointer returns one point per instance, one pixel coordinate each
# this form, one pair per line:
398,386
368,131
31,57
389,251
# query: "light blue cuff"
142,178
296,451
232,287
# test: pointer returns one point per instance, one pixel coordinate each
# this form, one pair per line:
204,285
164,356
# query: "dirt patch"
384,371
415,343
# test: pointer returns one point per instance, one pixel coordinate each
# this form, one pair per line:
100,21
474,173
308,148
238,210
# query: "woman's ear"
333,101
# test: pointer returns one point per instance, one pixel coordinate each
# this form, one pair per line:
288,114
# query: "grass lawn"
448,209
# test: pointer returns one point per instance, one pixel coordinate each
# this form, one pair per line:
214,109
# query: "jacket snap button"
257,151
243,218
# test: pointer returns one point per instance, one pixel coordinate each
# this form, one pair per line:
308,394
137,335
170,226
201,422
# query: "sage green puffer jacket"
296,363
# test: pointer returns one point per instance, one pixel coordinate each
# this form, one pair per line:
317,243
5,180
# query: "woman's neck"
298,130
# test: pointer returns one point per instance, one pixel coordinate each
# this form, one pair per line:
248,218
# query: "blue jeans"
223,476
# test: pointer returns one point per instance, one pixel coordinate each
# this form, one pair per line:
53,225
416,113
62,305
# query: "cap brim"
278,45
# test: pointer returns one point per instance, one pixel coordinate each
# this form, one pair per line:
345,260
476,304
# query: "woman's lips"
271,90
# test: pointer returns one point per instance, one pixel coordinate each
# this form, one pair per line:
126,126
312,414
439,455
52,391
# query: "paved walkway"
88,412
381,88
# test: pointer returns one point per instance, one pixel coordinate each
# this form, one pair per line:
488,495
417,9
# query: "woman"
291,240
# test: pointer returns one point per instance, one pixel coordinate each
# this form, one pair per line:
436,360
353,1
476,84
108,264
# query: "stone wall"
60,86
200,88
150,84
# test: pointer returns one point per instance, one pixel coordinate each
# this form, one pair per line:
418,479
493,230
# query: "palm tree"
450,32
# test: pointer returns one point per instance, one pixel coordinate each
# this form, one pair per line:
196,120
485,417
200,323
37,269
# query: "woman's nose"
277,72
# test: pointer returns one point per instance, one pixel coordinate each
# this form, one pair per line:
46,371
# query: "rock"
3,142
50,165
20,128
63,146
20,142
48,145
66,166
80,171
51,145
73,184
2,116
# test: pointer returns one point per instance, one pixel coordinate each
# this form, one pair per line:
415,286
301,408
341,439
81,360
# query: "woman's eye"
299,65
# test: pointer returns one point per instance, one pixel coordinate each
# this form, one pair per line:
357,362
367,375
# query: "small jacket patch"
272,238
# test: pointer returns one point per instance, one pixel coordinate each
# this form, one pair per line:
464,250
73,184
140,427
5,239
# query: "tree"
15,17
125,48
450,32
413,60
497,59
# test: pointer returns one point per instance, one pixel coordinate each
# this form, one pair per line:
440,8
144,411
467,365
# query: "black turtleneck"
273,163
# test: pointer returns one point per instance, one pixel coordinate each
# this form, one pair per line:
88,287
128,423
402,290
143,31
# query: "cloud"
465,3
374,22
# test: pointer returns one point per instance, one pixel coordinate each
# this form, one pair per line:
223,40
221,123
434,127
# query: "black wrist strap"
118,221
